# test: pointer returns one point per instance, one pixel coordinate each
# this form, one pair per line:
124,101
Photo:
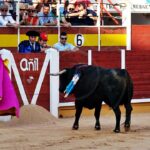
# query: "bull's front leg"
97,117
118,117
77,117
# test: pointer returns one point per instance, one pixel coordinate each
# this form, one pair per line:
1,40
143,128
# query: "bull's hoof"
127,127
75,127
116,130
97,127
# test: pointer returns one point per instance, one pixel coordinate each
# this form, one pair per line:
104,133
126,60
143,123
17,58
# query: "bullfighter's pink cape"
7,92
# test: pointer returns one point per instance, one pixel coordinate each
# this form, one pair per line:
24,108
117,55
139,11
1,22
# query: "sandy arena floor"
36,129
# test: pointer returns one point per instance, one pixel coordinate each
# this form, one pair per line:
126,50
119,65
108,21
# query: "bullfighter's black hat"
32,33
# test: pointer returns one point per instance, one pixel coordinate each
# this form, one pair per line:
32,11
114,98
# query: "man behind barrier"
62,45
42,40
31,45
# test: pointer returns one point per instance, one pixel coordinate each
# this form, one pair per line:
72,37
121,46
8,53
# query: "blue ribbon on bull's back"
72,84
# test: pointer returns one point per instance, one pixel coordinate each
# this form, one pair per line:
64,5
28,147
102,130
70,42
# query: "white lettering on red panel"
31,64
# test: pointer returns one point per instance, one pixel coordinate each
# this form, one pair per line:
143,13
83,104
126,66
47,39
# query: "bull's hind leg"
97,115
118,117
128,108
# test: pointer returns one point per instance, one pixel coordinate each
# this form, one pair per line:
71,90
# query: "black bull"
97,84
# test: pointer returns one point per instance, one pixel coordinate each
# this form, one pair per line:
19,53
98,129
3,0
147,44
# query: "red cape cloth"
7,92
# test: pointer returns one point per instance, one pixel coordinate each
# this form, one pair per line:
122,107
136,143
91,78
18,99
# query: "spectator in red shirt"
30,18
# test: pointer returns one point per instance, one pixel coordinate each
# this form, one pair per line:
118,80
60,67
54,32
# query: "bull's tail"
128,87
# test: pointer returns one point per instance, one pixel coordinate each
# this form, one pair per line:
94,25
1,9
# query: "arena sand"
36,129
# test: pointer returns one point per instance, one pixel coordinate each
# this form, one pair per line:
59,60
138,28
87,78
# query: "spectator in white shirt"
6,18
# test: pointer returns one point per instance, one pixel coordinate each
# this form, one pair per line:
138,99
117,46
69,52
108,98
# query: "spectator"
30,17
53,13
63,22
38,4
85,16
86,2
70,9
45,17
62,45
23,11
63,11
43,38
27,2
30,45
11,7
6,18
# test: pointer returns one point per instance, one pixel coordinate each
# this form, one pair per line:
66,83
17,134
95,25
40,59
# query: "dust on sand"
37,129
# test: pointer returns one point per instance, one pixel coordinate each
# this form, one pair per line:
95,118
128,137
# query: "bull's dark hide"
97,84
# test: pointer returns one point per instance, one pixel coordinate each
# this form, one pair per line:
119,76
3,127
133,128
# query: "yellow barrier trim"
89,39
8,40
113,39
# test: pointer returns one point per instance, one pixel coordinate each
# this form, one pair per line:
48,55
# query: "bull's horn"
58,73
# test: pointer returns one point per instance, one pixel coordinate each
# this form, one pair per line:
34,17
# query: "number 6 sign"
79,40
